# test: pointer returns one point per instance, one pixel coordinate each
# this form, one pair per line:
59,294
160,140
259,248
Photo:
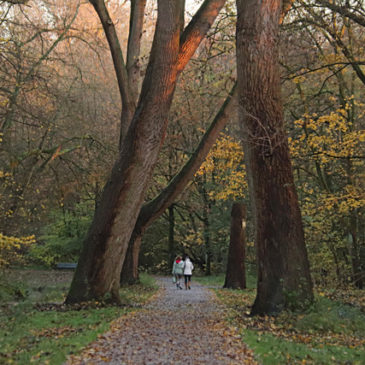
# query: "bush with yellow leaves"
12,249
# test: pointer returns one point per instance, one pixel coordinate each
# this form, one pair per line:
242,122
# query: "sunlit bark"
105,247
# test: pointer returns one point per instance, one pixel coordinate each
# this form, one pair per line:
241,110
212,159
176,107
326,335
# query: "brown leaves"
285,325
181,325
56,332
353,297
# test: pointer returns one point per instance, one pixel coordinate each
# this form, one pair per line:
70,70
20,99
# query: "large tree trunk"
99,267
235,274
283,269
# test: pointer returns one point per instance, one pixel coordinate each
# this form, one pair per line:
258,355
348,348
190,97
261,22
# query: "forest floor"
177,327
162,325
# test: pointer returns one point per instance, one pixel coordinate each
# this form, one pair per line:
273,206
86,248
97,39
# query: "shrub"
12,249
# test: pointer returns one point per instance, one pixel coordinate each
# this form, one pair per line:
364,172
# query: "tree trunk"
130,274
99,267
153,209
357,274
206,229
236,274
105,247
283,269
171,245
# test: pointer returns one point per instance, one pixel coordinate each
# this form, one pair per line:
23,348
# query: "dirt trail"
178,327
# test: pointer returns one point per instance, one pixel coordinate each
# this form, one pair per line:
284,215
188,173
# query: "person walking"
178,271
188,271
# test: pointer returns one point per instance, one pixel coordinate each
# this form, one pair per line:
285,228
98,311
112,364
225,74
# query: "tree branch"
134,44
155,207
116,51
344,11
197,29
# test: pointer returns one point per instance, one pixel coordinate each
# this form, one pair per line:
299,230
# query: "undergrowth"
330,332
35,330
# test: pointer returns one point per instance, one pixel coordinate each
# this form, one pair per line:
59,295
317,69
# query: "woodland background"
60,119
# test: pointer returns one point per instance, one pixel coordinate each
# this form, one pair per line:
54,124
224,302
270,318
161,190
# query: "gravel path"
178,327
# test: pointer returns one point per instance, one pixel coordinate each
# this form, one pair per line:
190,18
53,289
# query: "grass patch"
271,349
217,281
28,335
330,332
213,281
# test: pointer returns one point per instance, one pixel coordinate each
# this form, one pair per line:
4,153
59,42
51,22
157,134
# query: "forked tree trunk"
235,274
99,267
283,270
105,247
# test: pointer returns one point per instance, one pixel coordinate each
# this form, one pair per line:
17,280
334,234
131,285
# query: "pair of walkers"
182,267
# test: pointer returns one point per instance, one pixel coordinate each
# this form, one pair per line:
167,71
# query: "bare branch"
344,11
115,49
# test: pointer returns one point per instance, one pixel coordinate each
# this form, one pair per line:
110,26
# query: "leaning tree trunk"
153,209
235,274
283,269
100,263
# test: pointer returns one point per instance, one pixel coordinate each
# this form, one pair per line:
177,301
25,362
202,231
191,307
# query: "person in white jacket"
188,271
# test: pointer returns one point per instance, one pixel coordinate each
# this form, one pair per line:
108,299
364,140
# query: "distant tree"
235,273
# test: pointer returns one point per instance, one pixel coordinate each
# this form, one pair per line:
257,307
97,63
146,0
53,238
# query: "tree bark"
130,274
189,41
206,228
153,209
105,246
104,250
283,270
357,274
236,274
134,45
171,245
127,96
133,65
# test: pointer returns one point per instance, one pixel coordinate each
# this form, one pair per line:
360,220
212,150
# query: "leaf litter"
177,327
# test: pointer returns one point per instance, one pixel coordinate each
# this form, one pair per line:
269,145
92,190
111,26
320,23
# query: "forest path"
178,327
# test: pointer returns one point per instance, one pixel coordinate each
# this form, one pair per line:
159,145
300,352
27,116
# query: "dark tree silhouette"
235,273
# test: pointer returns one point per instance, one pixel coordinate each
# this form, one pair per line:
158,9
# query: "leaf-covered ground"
36,328
178,327
332,331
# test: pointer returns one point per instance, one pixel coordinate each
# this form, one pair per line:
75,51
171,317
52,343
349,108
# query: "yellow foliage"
225,164
12,248
326,137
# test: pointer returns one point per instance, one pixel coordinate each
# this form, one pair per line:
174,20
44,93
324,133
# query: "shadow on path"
178,327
